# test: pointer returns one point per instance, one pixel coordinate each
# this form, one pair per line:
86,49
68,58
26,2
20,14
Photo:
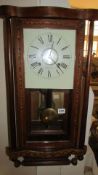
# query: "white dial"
49,55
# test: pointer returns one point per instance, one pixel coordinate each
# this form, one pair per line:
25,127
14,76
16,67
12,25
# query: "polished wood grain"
48,12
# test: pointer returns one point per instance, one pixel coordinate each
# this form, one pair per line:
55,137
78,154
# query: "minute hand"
51,49
58,66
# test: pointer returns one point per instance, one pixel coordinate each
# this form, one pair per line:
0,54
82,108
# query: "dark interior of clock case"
56,125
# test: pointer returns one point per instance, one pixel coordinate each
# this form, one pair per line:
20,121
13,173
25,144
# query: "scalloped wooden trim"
48,154
19,157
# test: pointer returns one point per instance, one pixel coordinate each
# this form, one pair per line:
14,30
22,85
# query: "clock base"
59,157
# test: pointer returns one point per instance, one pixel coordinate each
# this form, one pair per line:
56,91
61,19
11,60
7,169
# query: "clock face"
49,57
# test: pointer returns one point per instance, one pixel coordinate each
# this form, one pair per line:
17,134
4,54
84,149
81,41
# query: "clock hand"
58,65
51,49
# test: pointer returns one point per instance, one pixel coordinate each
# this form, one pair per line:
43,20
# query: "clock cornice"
7,11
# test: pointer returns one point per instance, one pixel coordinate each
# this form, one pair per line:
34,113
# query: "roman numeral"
50,37
35,64
66,56
64,48
40,71
41,40
57,72
34,47
59,40
64,65
49,74
32,56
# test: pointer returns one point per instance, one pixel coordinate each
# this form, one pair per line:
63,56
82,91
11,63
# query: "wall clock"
47,87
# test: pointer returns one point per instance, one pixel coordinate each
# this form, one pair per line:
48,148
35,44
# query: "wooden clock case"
30,142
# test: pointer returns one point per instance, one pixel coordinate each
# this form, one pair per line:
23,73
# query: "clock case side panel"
79,90
87,75
15,86
18,64
10,84
85,84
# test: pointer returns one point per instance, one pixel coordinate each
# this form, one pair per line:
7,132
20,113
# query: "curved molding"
21,157
48,12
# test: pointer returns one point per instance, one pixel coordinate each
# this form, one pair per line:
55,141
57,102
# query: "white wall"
6,166
20,2
59,3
